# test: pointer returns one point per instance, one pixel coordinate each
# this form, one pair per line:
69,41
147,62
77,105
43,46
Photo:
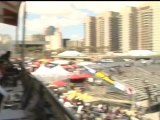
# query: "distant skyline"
66,15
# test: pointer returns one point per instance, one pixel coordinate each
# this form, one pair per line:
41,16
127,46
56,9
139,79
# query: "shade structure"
58,83
60,70
71,53
59,73
9,12
141,53
48,75
79,77
44,74
61,62
85,63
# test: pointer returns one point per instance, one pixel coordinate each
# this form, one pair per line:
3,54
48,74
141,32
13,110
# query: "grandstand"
144,79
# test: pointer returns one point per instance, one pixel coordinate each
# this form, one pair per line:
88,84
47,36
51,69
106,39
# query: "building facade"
54,42
133,28
50,30
149,26
128,29
89,32
65,40
107,31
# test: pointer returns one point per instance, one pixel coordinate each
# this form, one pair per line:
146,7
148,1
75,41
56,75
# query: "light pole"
23,32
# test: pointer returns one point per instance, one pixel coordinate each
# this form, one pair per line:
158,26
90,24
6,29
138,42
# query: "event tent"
61,62
85,63
71,53
48,75
141,53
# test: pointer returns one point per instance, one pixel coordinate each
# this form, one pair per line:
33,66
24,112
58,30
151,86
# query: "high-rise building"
128,29
107,31
132,29
54,42
90,32
49,30
149,26
65,40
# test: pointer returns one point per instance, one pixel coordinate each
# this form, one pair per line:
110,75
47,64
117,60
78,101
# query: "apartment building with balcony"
128,29
107,31
89,32
149,26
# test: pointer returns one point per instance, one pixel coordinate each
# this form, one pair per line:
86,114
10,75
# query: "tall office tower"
107,31
128,29
149,26
54,42
89,32
50,30
65,40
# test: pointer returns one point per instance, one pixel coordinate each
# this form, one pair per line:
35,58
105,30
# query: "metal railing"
46,106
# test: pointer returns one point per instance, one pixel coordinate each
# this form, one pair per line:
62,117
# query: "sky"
68,16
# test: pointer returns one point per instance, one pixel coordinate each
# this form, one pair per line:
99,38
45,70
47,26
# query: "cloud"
44,21
58,14
65,7
102,6
66,13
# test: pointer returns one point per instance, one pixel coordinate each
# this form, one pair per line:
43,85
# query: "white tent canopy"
85,63
60,62
47,75
43,74
71,53
141,53
59,73
59,70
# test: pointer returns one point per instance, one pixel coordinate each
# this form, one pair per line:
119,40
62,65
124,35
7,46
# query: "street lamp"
24,31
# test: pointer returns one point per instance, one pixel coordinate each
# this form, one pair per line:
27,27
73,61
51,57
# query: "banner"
116,84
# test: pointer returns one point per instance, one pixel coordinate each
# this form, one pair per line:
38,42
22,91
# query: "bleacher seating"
141,78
